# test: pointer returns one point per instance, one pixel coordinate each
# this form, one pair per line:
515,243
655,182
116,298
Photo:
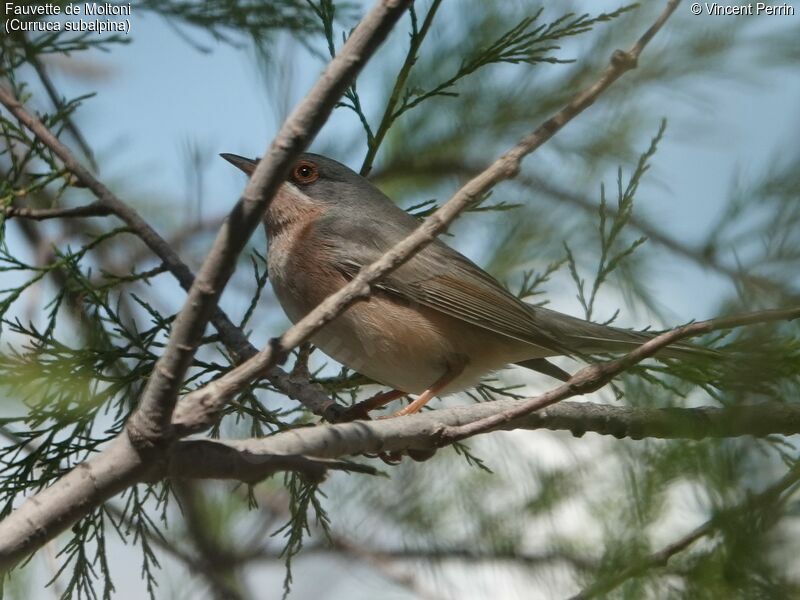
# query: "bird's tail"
592,338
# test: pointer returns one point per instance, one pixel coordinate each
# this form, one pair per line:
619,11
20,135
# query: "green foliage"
612,258
80,564
304,495
523,43
234,22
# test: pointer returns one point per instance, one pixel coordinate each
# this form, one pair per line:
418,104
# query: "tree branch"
421,431
95,209
198,410
758,420
311,396
58,103
443,427
43,516
49,512
212,459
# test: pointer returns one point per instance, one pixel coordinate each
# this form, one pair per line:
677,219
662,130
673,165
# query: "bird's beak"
247,165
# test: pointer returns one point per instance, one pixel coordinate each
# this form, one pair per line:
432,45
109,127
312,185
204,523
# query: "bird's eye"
305,172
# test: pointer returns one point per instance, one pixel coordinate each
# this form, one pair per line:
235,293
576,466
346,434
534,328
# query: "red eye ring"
305,172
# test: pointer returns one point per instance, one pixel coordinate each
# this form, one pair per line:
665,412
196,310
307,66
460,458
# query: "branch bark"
422,431
210,459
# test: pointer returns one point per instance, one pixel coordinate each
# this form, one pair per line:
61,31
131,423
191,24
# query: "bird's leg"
392,458
428,394
362,409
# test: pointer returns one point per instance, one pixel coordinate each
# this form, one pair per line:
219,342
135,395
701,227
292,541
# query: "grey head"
329,183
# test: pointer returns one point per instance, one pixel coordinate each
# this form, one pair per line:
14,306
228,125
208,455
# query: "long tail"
592,338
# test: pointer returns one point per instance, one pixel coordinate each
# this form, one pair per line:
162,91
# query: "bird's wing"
442,279
456,288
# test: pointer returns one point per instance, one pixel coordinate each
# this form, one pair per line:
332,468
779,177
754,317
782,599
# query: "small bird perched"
436,324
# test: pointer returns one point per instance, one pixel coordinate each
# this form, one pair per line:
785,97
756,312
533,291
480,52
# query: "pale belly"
410,349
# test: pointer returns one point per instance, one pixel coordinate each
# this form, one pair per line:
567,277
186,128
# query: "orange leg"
428,394
393,458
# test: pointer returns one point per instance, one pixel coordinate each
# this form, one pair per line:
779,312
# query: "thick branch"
447,426
199,409
42,517
208,459
758,420
120,466
421,431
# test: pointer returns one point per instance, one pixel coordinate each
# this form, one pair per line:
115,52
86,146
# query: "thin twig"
389,114
58,103
95,209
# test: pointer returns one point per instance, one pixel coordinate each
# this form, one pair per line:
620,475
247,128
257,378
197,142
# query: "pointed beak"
247,165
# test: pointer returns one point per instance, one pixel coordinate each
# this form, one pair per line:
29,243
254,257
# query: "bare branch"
95,209
207,402
758,420
421,431
211,459
51,511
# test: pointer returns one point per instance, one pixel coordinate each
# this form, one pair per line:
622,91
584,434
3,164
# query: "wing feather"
443,279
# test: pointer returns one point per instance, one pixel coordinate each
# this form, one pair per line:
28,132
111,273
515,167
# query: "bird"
435,325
